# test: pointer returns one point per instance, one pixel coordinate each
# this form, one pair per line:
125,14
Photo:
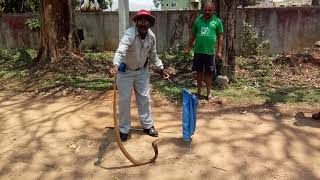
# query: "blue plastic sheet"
189,114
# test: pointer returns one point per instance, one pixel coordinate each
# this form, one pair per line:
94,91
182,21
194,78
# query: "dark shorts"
204,63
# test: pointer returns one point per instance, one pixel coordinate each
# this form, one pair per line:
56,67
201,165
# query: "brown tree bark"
228,12
57,30
315,3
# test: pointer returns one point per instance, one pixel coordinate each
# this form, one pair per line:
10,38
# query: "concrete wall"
14,33
287,28
173,27
101,30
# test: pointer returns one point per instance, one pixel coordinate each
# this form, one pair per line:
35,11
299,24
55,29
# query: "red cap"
146,14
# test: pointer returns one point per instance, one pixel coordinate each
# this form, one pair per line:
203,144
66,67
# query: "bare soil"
46,136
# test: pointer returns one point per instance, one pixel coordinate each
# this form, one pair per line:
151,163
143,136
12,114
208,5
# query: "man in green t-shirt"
207,32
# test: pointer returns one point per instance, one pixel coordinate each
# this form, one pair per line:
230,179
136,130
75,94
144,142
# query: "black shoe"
151,132
123,137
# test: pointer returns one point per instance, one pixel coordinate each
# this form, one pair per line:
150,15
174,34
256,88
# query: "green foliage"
19,6
252,41
259,68
177,51
33,24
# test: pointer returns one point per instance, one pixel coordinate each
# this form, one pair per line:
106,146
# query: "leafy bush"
33,24
252,41
177,51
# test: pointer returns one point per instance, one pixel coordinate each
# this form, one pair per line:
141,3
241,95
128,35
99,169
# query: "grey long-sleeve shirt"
133,51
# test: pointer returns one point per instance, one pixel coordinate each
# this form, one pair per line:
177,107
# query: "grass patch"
291,94
244,94
88,83
255,81
14,68
172,91
95,56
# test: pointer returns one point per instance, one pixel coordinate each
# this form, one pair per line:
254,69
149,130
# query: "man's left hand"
219,55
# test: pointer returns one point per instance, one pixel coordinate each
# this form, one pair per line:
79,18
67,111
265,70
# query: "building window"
195,5
173,4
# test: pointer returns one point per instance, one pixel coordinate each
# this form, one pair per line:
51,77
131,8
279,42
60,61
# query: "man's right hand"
113,71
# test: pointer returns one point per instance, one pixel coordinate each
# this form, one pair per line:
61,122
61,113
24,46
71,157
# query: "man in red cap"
136,48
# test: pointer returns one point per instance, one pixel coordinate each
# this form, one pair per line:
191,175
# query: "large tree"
230,14
227,9
57,31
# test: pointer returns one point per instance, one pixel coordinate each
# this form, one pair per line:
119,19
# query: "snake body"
117,134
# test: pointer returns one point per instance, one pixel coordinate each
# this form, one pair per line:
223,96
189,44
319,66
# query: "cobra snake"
117,134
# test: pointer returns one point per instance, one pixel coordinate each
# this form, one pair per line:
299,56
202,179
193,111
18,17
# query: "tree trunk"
57,32
228,13
218,7
315,3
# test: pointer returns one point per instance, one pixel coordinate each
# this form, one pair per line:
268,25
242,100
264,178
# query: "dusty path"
64,138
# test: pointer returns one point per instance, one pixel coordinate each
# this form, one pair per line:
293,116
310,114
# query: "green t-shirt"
206,33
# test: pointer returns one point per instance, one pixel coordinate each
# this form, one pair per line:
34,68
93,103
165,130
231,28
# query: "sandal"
213,98
210,98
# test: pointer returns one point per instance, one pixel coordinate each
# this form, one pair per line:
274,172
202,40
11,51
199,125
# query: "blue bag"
189,114
122,67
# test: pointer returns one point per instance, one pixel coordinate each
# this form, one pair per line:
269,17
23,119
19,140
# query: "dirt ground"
50,137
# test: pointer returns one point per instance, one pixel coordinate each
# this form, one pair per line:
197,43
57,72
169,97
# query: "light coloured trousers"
139,80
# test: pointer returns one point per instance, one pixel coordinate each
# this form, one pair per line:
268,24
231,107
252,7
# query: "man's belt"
136,69
144,66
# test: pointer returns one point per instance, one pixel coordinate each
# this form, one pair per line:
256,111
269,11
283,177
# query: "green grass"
106,55
13,74
252,86
171,90
14,62
88,83
244,94
291,94
14,68
17,57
